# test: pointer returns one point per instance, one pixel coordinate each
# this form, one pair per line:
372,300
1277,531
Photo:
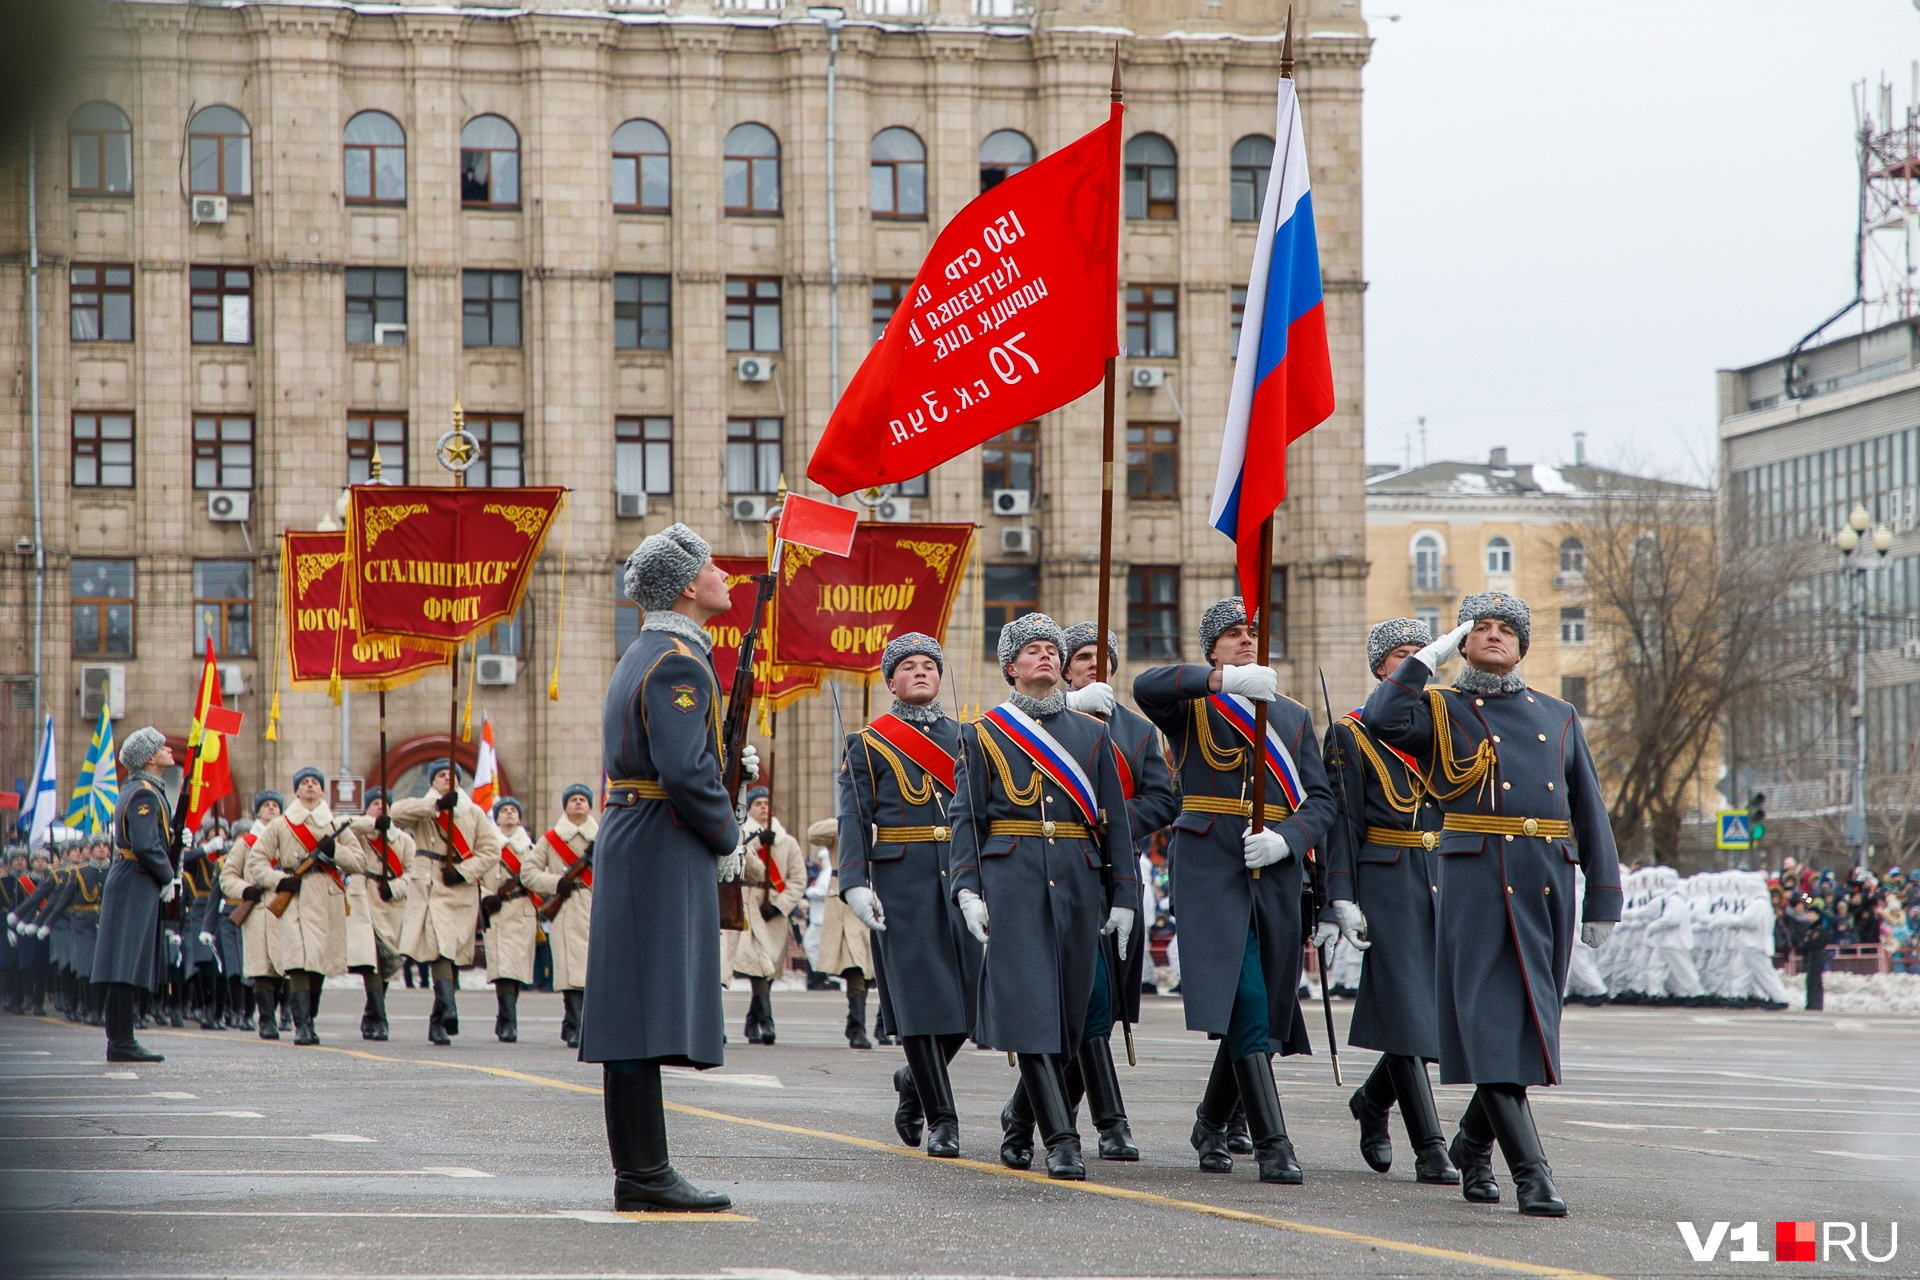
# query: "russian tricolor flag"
1283,383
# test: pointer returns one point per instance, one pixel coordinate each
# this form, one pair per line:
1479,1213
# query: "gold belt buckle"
942,834
1531,826
1429,839
1046,828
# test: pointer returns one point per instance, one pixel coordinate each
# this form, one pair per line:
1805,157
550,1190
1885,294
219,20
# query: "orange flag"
212,772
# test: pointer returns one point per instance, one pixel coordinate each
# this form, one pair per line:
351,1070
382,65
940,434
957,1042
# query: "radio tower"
1887,258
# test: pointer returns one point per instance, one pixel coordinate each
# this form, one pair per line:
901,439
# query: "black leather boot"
1041,1076
930,1082
637,1141
286,1005
1210,1118
437,1019
446,993
96,1004
908,1117
506,1018
570,1001
1372,1110
121,1046
760,1011
1415,1093
1512,1120
1238,1141
1104,1105
1016,1130
857,1012
373,1026
1472,1153
205,1012
1265,1123
267,995
241,999
302,1002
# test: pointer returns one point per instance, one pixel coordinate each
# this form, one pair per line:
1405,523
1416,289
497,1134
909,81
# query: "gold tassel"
466,717
333,688
560,622
273,719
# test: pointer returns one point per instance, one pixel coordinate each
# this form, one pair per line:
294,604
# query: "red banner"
777,687
838,612
437,566
318,620
1010,317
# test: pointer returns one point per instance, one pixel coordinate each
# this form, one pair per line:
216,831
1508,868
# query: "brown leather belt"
1048,830
623,792
1403,839
912,835
1223,805
1487,824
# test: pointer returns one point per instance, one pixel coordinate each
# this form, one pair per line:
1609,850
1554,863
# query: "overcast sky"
1577,210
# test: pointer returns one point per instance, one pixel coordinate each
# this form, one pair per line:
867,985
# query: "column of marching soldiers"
993,862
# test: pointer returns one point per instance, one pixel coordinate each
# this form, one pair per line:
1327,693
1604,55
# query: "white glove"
43,931
730,867
750,763
1594,932
1264,848
866,908
13,939
168,890
1095,699
975,912
13,919
1347,923
1119,921
1261,684
206,940
1444,649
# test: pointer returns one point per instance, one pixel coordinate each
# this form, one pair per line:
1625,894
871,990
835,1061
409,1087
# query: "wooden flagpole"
1100,671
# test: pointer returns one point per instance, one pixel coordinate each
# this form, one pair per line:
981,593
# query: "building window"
1573,626
223,607
1153,314
102,599
641,180
1426,563
1153,459
887,297
626,614
490,308
502,463
1236,315
222,305
99,151
222,451
1499,555
1011,591
1153,611
1152,178
642,312
103,451
1252,161
490,163
1573,692
897,175
1011,460
750,171
376,158
1003,153
753,455
100,303
643,455
1277,599
1573,556
219,153
367,432
507,637
753,313
913,488
1429,616
377,305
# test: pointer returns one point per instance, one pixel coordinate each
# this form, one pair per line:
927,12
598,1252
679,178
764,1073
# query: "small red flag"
809,522
222,720
9,799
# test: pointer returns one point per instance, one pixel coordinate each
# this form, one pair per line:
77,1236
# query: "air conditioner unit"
103,684
1016,542
755,369
1012,502
233,680
390,335
229,504
1149,377
1910,649
749,508
897,510
209,209
629,506
496,669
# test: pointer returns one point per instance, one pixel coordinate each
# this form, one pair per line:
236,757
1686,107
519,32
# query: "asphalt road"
238,1157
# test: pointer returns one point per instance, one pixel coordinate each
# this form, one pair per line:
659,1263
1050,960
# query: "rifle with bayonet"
568,883
739,719
321,859
1317,880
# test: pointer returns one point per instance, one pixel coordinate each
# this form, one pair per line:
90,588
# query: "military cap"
141,746
662,566
1023,631
902,647
1080,635
1221,614
301,775
577,789
1506,607
261,797
504,802
1387,636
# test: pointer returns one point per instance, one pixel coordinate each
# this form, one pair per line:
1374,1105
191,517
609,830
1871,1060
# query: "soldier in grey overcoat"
130,952
1048,851
1523,807
1383,883
1236,891
896,828
668,830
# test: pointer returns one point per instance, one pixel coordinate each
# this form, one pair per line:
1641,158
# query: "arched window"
1426,563
641,181
100,151
1499,555
750,170
1252,160
1003,153
1573,556
490,163
219,153
1152,178
897,174
376,157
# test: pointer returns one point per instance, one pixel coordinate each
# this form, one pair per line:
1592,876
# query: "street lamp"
1855,572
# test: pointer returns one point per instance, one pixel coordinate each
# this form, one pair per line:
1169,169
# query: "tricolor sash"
567,856
1048,756
1407,760
1238,712
456,839
916,746
310,842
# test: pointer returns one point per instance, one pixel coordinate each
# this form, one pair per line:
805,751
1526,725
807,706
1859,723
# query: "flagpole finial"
1117,94
1286,49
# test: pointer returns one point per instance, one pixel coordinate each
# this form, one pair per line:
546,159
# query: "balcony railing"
1431,581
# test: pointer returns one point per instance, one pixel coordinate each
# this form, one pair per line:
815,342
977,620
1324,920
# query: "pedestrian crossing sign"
1735,831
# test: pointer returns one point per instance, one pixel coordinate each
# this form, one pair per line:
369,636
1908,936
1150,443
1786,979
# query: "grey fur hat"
662,565
502,803
1387,636
1023,631
1221,614
1080,635
1510,609
241,826
758,792
441,765
141,746
261,797
902,647
577,789
301,775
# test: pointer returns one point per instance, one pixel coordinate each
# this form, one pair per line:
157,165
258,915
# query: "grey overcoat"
130,948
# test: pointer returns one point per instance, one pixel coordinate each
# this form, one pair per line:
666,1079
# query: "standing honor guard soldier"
1523,807
1383,881
1041,838
456,845
1240,930
507,913
897,780
776,877
130,952
549,871
653,969
383,897
259,944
